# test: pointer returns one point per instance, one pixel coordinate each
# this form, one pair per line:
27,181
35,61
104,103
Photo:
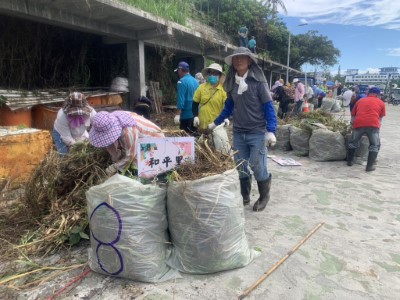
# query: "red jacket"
367,112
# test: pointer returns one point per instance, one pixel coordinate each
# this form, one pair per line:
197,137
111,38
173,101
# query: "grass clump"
176,10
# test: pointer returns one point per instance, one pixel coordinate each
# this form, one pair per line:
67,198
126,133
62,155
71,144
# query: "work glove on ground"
227,122
177,119
270,139
111,170
196,122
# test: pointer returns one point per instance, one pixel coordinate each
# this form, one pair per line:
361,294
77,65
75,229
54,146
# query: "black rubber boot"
263,188
350,156
245,188
371,161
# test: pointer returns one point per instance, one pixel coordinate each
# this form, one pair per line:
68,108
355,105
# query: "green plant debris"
387,267
322,196
331,265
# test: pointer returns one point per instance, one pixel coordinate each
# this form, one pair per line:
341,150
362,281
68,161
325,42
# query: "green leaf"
76,229
84,235
74,238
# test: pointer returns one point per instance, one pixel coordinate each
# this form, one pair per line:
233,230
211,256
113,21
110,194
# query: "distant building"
389,70
351,72
376,79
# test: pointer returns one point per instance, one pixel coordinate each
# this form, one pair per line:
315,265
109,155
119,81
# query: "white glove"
211,126
271,139
111,170
227,122
196,122
177,119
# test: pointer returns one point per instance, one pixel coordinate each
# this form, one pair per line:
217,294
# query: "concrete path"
355,255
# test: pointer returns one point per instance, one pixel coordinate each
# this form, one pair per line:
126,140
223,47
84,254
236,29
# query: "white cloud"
382,13
393,51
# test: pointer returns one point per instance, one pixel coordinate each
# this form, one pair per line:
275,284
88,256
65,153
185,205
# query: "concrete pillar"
136,74
199,63
270,79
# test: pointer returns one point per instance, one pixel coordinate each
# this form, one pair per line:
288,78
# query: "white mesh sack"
119,84
283,137
207,225
128,230
326,145
299,140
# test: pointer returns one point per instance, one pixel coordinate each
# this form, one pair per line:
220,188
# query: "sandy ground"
354,255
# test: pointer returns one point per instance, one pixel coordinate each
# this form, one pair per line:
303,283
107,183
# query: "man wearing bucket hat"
186,87
118,132
366,119
72,121
254,122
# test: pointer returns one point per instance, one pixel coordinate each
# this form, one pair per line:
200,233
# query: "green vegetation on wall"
173,10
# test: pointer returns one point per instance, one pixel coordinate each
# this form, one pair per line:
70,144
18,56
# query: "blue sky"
367,32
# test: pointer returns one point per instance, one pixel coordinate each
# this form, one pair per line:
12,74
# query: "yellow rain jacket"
211,103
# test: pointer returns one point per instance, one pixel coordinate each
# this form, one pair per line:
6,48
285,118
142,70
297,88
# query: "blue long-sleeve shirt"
252,111
186,87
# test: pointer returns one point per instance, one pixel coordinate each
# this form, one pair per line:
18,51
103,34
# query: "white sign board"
158,155
286,161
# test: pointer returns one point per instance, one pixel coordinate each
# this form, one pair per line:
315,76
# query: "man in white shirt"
347,97
310,94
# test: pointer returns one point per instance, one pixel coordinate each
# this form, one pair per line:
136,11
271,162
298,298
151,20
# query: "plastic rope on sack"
128,226
206,223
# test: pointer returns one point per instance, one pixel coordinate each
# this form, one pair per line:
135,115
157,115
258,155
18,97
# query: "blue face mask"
213,79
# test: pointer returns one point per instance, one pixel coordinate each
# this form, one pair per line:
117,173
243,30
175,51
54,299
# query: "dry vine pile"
207,162
55,196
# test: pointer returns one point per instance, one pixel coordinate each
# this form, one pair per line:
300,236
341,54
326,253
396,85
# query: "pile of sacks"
319,143
151,232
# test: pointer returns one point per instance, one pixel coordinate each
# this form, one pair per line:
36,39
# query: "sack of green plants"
207,225
128,230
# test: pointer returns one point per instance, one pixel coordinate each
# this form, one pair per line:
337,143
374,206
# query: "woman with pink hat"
118,132
72,121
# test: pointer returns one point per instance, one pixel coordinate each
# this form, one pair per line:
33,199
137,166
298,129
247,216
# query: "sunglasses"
212,73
